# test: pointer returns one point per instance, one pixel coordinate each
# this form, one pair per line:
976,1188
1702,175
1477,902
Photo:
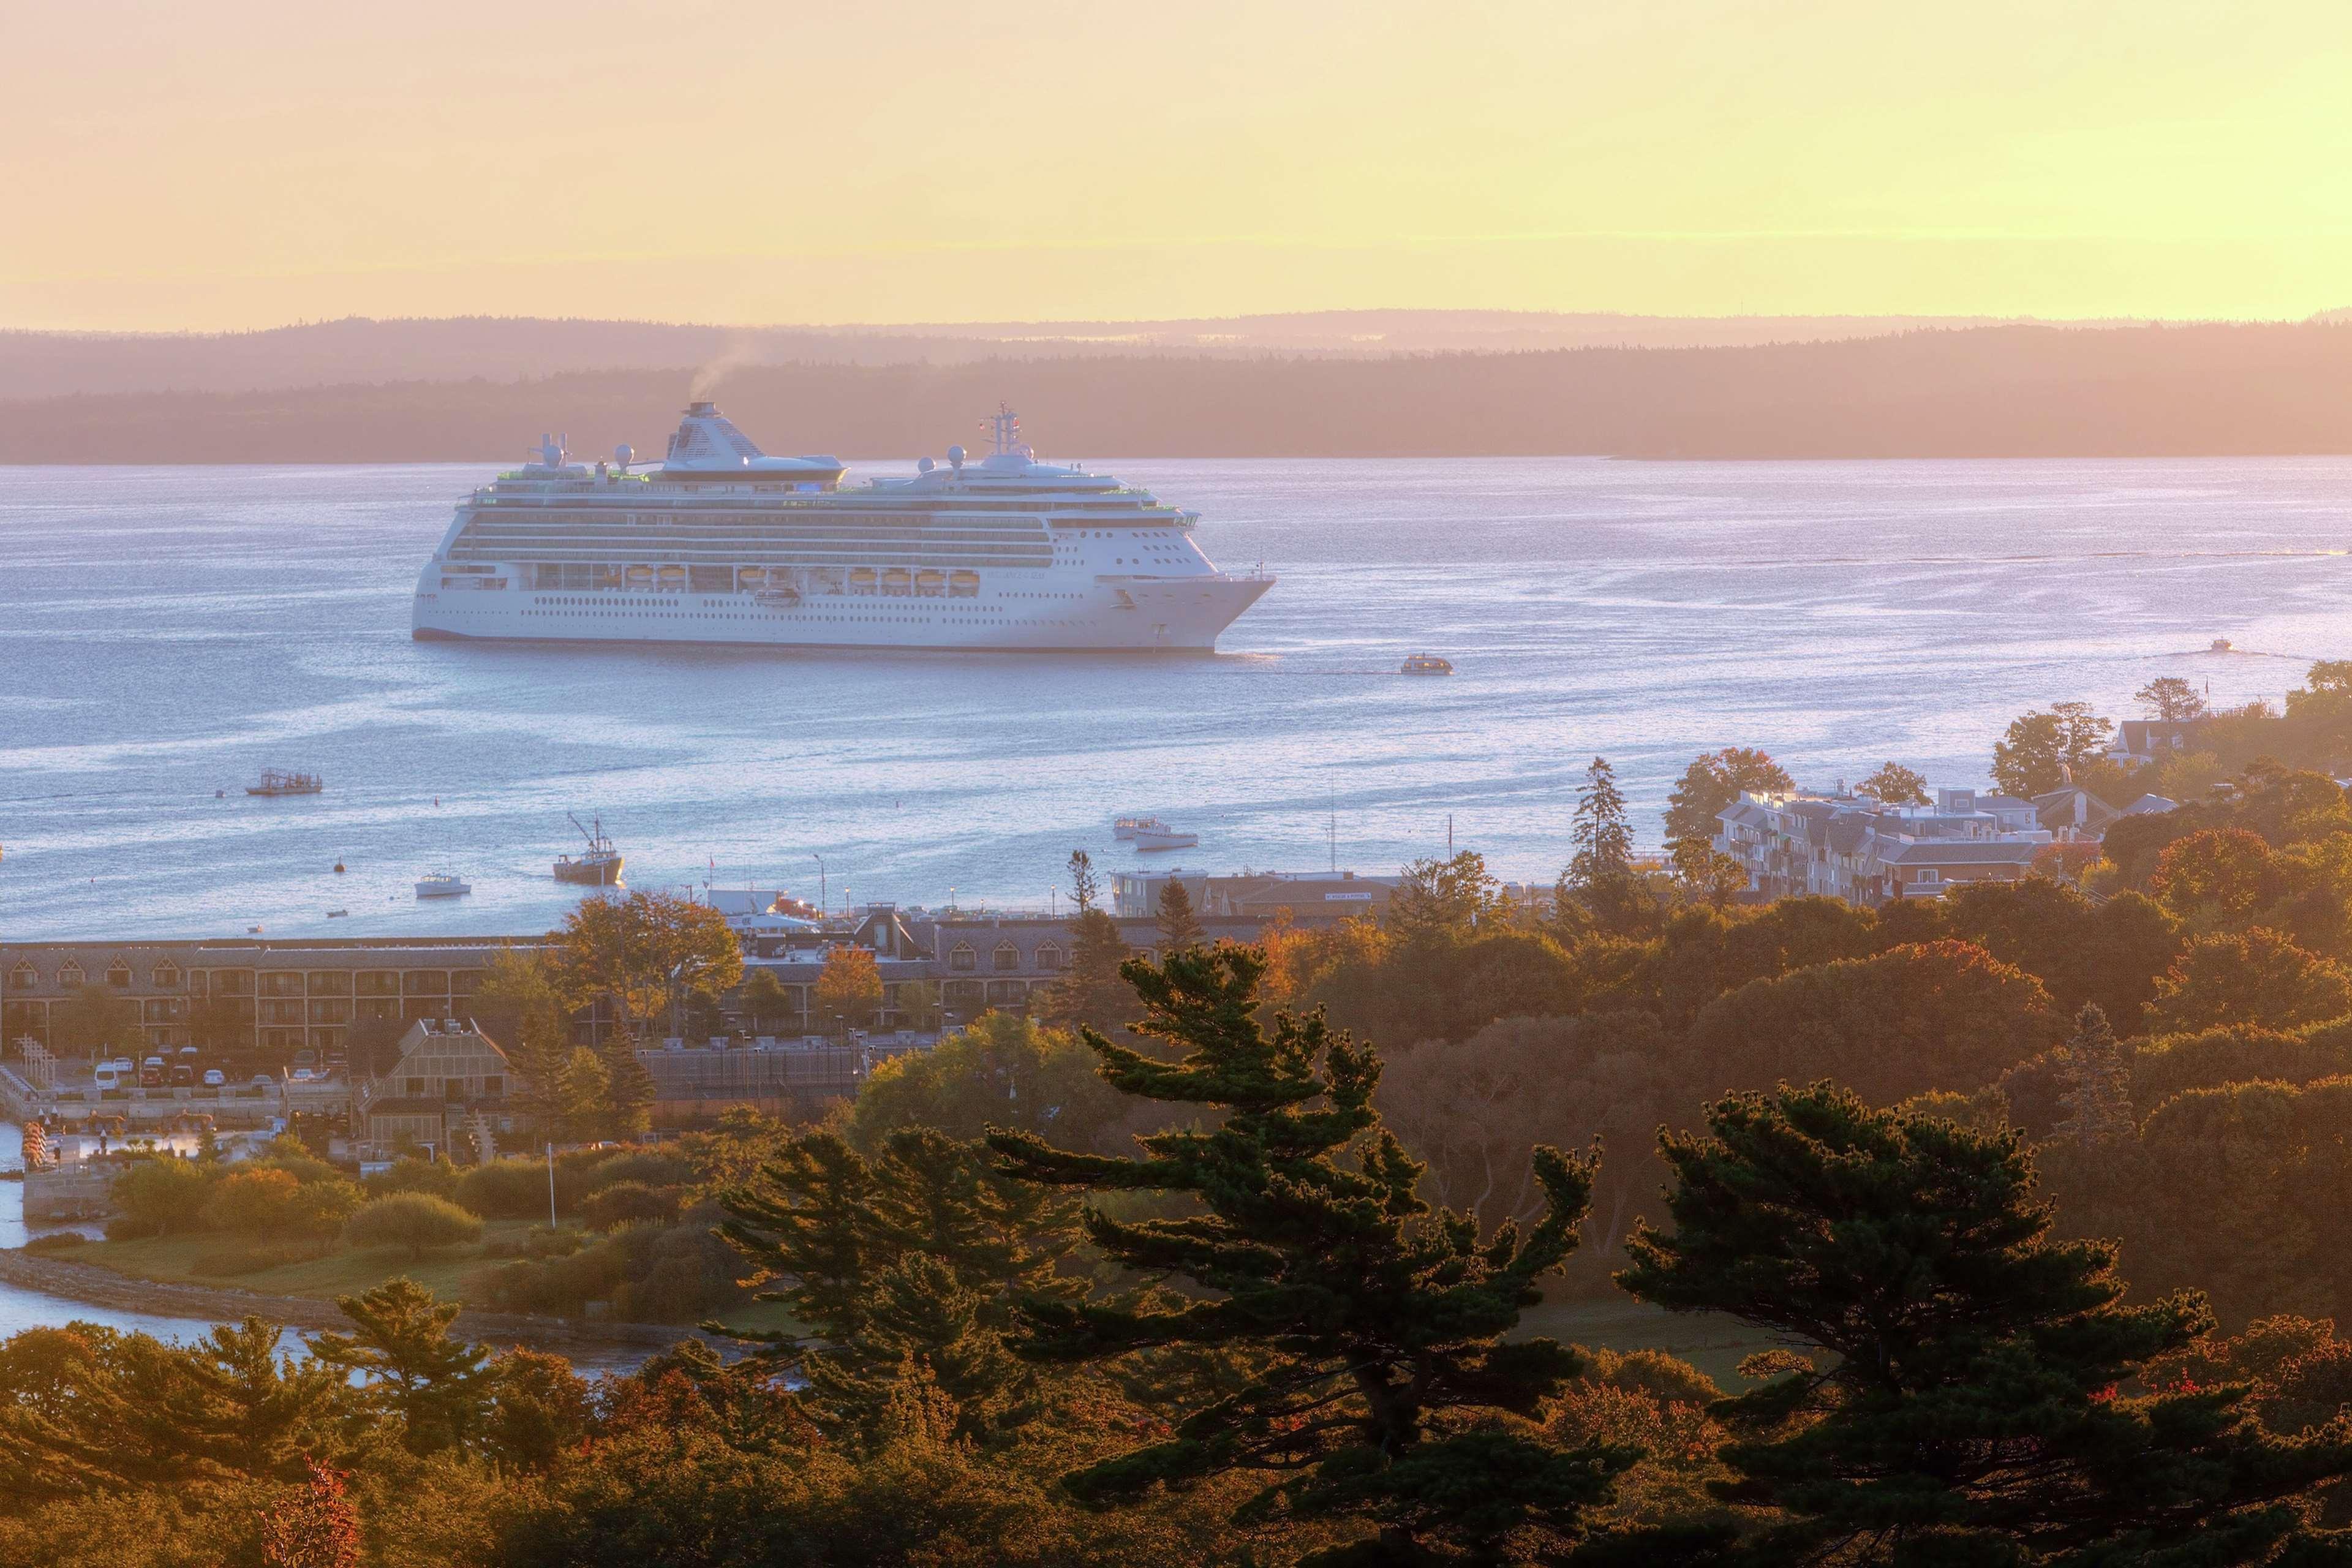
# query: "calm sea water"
168,633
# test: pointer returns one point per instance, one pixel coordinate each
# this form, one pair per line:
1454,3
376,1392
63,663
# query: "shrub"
319,1208
504,1189
629,1203
251,1200
417,1221
162,1194
410,1175
56,1241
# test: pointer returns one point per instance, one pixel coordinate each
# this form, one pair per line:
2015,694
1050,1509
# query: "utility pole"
551,1186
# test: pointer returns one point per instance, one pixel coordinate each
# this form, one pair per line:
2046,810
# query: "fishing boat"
442,885
277,780
1150,840
599,866
1126,827
1425,664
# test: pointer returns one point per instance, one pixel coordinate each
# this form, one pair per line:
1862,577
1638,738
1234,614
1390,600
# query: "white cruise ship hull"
725,545
1174,615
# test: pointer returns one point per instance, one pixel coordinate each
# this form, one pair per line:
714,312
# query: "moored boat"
598,867
442,885
279,781
1425,664
1150,840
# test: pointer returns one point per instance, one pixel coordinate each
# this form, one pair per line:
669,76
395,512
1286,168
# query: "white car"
215,1077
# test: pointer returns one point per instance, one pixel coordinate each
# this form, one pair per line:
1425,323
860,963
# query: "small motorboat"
338,914
1149,840
1425,664
1126,827
442,885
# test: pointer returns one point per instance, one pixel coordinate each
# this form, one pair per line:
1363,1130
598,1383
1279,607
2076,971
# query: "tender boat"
1149,840
277,780
599,867
1425,664
1126,827
442,885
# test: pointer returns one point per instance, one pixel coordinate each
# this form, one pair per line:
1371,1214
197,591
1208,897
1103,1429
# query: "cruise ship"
723,544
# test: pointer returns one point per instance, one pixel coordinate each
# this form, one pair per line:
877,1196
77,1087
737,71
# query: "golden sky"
245,163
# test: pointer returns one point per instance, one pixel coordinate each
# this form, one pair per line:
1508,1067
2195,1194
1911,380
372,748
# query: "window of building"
1007,957
962,959
118,975
493,1087
415,1088
23,977
166,977
71,975
1049,958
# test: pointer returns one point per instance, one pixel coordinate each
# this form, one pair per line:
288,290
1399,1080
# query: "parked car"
262,1081
150,1073
215,1077
183,1076
305,1075
106,1077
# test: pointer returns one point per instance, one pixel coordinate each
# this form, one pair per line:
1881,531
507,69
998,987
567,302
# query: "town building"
450,1087
1858,848
1309,898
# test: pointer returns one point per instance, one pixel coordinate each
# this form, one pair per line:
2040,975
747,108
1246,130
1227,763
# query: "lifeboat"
861,580
782,596
897,580
608,577
673,576
641,577
930,583
751,577
963,584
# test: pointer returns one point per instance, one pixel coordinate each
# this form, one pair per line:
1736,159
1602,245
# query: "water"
166,633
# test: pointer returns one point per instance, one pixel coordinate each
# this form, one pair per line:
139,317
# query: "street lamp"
819,881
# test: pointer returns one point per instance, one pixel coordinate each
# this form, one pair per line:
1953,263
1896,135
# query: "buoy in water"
339,867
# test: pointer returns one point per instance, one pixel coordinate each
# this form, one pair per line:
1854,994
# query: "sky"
249,163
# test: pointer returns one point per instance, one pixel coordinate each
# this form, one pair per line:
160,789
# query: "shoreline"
93,1286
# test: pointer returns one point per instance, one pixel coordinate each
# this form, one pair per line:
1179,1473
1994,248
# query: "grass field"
341,1272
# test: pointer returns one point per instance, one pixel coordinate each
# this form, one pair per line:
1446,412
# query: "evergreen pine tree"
416,1370
2096,1084
1179,927
1083,885
582,1097
629,1090
1386,1392
1090,991
808,1218
908,1260
1600,875
1965,1410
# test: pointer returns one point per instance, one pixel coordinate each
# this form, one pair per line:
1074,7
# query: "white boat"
441,885
1149,840
722,543
1126,827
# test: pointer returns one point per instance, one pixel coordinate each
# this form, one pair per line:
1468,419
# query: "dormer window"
167,977
1007,957
962,959
23,977
118,975
1049,957
71,975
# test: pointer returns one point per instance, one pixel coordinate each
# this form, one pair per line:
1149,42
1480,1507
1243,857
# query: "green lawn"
1713,1343
341,1272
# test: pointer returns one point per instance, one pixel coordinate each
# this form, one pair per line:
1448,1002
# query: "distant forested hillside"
2000,391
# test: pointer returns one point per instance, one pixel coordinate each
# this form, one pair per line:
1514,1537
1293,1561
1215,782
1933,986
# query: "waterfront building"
1858,848
278,998
450,1088
1309,898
